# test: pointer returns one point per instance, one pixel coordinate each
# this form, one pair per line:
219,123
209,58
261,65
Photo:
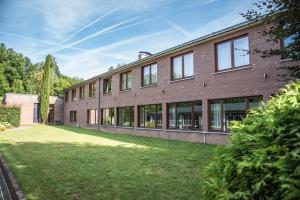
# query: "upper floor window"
182,66
107,85
233,53
150,116
66,96
149,75
287,41
92,116
126,116
92,89
223,111
81,92
185,115
73,116
74,95
126,81
108,116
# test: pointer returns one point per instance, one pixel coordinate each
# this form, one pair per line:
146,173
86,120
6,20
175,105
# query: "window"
233,53
223,111
92,116
74,95
287,41
126,116
73,116
81,92
150,116
107,86
126,79
182,66
92,89
149,75
67,96
185,115
108,117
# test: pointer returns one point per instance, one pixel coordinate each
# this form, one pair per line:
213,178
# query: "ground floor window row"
180,115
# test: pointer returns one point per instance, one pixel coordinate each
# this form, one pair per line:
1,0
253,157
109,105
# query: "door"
36,113
51,113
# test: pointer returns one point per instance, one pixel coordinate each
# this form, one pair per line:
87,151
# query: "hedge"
10,115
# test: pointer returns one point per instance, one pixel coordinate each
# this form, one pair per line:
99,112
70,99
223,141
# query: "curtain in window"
147,75
215,115
172,116
129,80
153,73
177,68
224,56
241,54
188,65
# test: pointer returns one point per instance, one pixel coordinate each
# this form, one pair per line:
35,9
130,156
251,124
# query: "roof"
183,46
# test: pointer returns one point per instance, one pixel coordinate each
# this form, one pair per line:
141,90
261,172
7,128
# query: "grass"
62,162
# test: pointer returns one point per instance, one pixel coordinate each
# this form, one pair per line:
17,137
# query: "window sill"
184,130
107,126
183,79
107,94
129,90
234,69
150,129
218,132
147,86
286,60
125,127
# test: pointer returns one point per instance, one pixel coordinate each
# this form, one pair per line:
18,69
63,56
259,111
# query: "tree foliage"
45,89
282,20
262,160
18,74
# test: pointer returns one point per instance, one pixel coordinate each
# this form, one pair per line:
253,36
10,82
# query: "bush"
262,159
10,115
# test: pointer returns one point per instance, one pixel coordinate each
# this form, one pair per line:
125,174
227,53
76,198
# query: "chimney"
144,54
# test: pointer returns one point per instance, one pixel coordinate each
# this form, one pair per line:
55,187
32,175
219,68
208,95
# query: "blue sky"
88,36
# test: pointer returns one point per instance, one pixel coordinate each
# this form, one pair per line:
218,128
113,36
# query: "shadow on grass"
140,140
58,170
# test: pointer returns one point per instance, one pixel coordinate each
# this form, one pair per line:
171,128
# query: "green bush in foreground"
10,115
262,160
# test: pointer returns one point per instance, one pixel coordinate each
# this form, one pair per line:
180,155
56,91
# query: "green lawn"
62,162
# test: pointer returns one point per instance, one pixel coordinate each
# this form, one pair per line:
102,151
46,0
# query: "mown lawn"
62,162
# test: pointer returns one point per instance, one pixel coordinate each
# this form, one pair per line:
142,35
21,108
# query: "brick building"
189,92
30,107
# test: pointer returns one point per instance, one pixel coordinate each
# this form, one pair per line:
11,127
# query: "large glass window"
233,53
81,92
92,89
185,115
126,116
182,66
223,111
73,116
107,85
108,116
74,95
66,96
150,116
92,116
149,74
126,81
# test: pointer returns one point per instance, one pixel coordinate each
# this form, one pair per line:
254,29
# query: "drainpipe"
99,93
204,137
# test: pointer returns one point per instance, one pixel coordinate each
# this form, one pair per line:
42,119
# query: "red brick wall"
248,81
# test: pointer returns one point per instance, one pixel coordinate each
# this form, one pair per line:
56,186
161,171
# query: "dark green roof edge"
188,44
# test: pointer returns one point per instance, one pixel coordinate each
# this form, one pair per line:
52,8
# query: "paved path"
4,192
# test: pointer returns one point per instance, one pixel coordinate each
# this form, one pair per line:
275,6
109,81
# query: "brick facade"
257,79
26,103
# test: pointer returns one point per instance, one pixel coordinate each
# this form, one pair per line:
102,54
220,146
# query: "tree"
262,159
45,89
282,20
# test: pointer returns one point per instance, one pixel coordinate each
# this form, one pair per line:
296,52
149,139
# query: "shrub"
262,159
10,115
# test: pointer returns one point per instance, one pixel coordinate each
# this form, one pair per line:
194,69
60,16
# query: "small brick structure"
27,101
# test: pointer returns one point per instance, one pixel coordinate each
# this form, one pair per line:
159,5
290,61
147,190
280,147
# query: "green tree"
262,159
282,20
45,89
